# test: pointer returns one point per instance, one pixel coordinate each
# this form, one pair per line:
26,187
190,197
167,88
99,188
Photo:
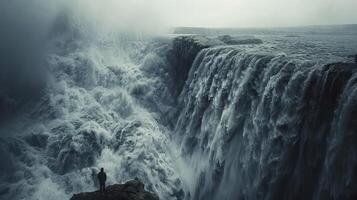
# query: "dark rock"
131,190
227,39
185,50
292,36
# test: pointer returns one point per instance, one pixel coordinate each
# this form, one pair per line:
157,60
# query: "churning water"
266,121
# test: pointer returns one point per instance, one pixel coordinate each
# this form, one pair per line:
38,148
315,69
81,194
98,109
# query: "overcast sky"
262,12
239,13
155,14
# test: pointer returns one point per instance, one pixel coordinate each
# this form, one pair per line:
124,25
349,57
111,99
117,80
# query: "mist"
261,13
205,114
158,14
23,37
29,28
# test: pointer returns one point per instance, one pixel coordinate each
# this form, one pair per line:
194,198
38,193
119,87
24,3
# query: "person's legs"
101,187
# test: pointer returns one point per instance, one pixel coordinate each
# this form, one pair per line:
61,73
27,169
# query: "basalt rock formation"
131,190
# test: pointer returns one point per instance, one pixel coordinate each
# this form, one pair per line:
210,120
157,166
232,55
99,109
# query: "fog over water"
225,13
86,84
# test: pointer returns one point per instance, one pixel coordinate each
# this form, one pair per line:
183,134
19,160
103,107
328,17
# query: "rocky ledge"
131,190
230,40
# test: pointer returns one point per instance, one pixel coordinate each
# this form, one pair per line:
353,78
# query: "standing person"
102,177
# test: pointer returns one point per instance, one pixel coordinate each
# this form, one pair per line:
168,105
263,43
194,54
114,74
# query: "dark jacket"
102,177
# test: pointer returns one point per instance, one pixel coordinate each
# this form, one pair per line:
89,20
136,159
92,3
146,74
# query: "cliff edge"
131,190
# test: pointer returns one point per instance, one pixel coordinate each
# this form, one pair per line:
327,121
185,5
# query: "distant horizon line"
263,27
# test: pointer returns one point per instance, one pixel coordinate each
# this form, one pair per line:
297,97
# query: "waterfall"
191,117
260,126
100,108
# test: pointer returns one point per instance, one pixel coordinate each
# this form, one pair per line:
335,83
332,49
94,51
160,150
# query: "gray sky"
264,12
229,13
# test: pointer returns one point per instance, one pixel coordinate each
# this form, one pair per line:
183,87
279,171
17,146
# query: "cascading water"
240,122
99,108
257,126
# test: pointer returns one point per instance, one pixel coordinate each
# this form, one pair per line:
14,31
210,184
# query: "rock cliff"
131,190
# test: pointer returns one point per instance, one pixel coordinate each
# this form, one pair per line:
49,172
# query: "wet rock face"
185,50
227,39
131,190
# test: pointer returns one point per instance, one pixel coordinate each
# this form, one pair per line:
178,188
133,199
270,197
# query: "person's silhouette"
102,177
